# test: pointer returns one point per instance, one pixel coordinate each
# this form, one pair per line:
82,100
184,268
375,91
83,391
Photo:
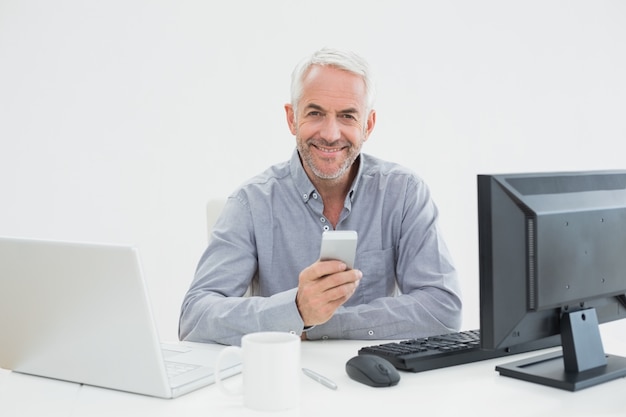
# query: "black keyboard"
434,352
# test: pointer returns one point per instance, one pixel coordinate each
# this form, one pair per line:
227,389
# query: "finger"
341,293
322,269
340,278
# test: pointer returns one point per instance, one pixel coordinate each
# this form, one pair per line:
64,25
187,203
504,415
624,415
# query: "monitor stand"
582,362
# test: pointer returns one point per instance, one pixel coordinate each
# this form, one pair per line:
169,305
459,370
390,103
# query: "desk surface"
475,387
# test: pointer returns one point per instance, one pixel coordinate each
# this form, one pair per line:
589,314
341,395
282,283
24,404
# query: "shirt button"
305,196
324,337
371,332
315,196
323,220
326,228
292,332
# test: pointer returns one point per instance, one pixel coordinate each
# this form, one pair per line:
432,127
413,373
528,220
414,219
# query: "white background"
120,119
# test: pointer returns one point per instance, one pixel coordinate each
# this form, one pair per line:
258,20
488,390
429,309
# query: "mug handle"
230,350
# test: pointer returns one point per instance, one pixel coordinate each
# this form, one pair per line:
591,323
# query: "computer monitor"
552,261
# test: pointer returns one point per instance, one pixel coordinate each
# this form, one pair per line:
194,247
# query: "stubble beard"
309,160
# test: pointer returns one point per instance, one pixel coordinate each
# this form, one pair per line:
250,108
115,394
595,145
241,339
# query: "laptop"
80,312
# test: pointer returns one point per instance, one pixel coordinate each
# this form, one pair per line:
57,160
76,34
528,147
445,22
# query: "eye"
347,116
314,113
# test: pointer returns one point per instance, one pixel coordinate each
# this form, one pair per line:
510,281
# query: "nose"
330,129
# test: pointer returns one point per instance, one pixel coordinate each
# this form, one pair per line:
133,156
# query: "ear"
371,122
291,118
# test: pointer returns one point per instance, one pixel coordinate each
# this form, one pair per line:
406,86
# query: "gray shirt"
270,230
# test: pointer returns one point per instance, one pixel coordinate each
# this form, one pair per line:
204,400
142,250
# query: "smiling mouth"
328,149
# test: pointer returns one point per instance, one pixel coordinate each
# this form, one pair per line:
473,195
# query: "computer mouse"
372,370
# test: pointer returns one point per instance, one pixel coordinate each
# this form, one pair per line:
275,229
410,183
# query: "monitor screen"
552,259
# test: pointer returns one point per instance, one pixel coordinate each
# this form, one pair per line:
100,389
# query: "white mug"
271,370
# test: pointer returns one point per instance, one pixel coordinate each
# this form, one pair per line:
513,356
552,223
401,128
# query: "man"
268,236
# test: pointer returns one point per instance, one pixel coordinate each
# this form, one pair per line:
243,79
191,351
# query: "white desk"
451,391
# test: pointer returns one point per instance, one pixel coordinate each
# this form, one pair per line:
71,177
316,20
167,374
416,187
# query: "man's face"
331,123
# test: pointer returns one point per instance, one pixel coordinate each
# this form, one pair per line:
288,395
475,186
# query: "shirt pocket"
379,275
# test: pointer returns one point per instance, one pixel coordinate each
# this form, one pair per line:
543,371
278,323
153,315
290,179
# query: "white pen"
319,378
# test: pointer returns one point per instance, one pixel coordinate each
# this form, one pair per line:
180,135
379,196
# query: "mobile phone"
339,245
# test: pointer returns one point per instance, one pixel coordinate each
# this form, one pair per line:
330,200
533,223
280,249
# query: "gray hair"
343,60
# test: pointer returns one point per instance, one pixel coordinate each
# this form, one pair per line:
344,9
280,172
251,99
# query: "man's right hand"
322,288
